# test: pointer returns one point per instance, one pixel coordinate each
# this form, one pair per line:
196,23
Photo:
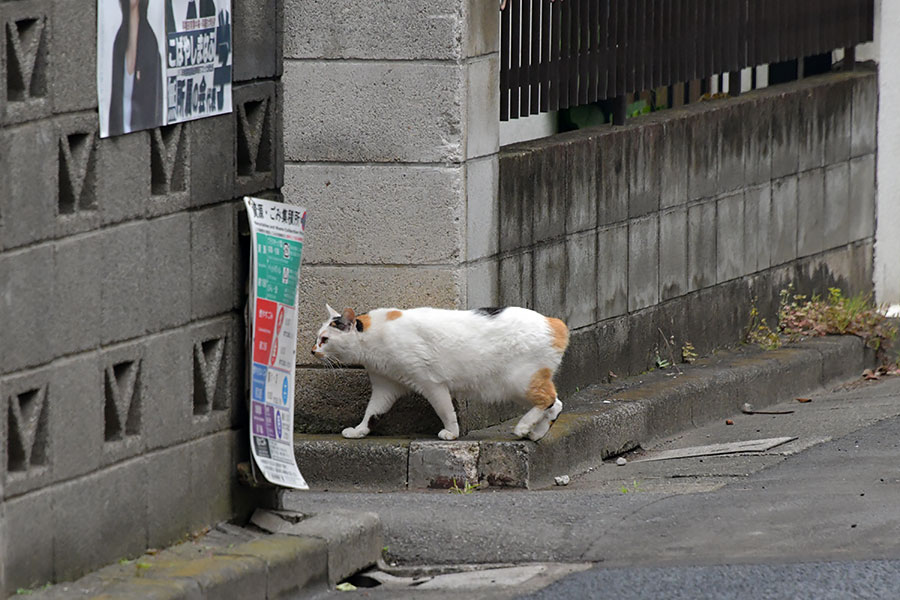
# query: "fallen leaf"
868,374
345,587
804,399
729,422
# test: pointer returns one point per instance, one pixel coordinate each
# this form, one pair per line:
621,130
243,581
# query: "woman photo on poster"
136,95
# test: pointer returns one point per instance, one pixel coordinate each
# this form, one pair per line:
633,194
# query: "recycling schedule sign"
276,231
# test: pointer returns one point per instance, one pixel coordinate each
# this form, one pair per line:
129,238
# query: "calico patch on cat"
488,354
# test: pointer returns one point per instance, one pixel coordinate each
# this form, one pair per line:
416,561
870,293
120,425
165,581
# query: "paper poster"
276,247
161,62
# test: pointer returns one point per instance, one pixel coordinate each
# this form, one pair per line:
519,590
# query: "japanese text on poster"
161,62
277,244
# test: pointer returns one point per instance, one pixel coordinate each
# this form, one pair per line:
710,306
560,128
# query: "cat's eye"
324,339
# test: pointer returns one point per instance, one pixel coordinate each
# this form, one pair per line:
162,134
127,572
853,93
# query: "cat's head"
337,338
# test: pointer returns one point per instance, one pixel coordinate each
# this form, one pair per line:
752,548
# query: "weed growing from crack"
468,489
800,316
672,357
758,331
688,353
635,488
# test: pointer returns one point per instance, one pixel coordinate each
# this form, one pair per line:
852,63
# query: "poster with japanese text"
276,231
161,62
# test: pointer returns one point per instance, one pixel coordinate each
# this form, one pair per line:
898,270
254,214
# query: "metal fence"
567,53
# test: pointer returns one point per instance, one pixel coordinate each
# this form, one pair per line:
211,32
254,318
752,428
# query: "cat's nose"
313,352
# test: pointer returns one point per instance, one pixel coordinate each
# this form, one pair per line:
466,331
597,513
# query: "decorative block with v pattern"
209,376
26,51
28,439
213,349
25,86
77,172
254,139
123,378
257,136
122,408
169,155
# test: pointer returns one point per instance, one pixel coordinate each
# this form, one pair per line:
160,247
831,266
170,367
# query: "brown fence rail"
567,53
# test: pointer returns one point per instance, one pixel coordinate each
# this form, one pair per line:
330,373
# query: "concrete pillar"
886,50
3,542
391,134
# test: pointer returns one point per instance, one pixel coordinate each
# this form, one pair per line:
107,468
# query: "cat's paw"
445,434
540,430
553,411
522,429
355,432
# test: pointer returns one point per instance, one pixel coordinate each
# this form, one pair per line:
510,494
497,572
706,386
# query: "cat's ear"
348,315
331,312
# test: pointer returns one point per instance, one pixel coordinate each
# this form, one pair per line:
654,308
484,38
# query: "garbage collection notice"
276,231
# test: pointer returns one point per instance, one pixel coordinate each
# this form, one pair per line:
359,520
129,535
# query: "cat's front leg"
384,393
442,403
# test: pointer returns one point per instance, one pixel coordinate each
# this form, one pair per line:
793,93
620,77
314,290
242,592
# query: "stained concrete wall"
391,140
392,143
669,226
122,284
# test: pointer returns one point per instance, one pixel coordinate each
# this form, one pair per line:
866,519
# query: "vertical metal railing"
568,53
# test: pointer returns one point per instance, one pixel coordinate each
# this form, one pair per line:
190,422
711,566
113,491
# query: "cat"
491,354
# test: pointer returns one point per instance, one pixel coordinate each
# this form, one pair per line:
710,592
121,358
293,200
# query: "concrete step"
285,554
596,423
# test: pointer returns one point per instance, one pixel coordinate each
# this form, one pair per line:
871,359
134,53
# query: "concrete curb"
304,555
596,423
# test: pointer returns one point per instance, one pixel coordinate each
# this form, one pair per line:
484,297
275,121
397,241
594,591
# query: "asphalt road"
816,518
808,581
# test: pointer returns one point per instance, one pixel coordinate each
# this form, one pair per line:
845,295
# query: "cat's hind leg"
541,393
442,403
384,393
546,420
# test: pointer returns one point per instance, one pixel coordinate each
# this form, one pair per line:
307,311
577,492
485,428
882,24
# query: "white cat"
488,354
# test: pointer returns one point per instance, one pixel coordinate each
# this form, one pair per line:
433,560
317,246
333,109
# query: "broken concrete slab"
714,449
353,539
442,465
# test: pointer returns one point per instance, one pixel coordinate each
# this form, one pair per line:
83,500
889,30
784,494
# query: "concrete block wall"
671,225
122,287
391,140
